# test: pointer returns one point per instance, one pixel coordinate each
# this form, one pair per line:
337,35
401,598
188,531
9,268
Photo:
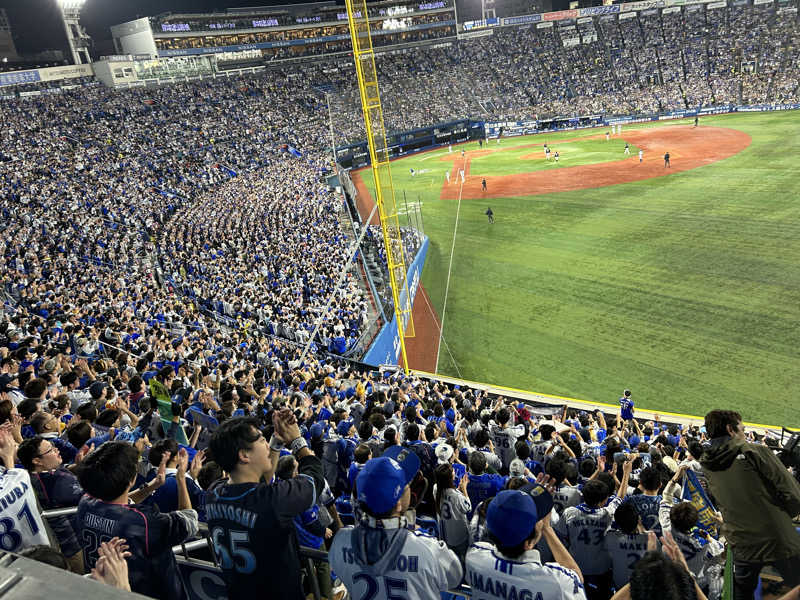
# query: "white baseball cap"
443,453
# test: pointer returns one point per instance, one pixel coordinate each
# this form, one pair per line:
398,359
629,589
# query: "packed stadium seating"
185,235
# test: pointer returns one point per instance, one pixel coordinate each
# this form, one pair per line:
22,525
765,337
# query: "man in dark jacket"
758,498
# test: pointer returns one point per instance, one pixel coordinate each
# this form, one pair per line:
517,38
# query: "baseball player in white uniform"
381,558
641,155
447,176
509,566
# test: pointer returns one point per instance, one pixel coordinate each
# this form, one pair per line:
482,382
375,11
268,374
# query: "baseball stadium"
398,300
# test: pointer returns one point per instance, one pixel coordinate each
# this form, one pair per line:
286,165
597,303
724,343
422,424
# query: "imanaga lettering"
501,589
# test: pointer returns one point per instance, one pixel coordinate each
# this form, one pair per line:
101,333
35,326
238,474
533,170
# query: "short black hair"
107,418
285,468
108,471
87,412
545,431
28,450
650,479
412,432
481,438
28,407
231,437
557,469
79,433
503,416
627,517
587,467
361,453
477,462
523,450
160,448
683,516
210,473
595,492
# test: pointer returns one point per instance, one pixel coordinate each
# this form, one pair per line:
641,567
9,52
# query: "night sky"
36,26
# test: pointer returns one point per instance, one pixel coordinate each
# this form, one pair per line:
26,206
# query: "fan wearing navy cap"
380,558
509,566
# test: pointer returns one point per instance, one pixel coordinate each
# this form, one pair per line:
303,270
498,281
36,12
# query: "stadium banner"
758,2
480,24
521,20
385,350
643,5
720,4
671,9
627,15
17,77
202,582
544,25
764,107
559,15
569,42
583,20
596,11
475,34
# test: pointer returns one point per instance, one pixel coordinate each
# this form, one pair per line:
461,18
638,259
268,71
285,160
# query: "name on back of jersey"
404,564
500,589
237,514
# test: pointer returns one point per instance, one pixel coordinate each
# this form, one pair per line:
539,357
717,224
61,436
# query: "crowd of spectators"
169,252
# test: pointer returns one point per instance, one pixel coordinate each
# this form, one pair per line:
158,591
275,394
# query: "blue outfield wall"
385,349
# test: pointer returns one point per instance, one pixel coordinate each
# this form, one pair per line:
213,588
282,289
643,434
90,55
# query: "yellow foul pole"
364,59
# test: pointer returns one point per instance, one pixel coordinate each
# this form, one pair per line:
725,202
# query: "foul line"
449,268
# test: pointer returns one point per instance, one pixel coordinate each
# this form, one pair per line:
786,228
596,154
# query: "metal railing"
183,552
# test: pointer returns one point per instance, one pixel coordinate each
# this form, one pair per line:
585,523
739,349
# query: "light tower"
77,38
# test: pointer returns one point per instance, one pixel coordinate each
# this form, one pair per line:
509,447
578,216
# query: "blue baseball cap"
511,517
383,480
317,430
343,428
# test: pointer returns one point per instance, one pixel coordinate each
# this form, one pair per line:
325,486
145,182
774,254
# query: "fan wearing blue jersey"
481,485
509,566
251,522
107,475
649,501
381,558
626,406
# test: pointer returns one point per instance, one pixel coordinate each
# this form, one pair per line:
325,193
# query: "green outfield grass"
513,157
684,288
